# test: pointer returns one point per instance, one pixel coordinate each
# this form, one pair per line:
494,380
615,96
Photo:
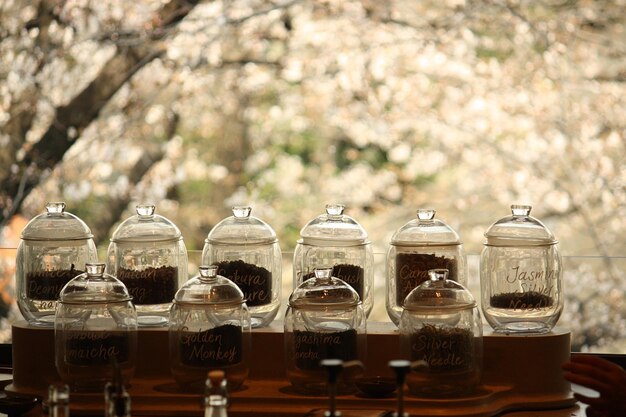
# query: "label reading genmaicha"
220,346
311,347
96,348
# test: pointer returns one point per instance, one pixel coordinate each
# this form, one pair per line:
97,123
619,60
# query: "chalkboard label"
217,347
47,285
96,347
150,285
254,281
443,349
412,270
311,347
353,275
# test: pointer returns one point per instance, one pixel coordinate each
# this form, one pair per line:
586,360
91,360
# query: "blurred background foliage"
460,105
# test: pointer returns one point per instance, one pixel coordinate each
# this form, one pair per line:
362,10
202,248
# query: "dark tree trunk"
71,119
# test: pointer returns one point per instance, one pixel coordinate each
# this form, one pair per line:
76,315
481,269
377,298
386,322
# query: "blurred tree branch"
72,118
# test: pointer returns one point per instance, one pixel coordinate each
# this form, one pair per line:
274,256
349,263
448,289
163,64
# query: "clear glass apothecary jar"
209,329
422,244
54,248
441,334
336,239
520,274
324,320
246,251
147,253
95,331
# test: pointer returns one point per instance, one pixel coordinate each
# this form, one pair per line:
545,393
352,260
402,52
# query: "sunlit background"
462,106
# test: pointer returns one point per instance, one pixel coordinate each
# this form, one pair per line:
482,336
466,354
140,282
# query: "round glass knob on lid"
324,320
520,274
425,230
54,248
324,291
209,288
245,249
209,329
337,240
439,293
148,255
519,229
441,334
95,326
422,244
333,227
94,286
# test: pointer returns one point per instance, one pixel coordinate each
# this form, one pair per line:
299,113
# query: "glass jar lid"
241,228
333,228
209,288
324,291
439,294
146,226
425,230
56,224
94,287
519,229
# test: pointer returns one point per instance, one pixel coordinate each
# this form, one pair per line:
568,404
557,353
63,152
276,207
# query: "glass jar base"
523,327
43,321
151,321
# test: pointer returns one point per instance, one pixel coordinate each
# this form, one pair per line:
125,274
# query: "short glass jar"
421,244
245,249
441,334
324,320
520,274
54,248
95,331
148,255
336,239
209,329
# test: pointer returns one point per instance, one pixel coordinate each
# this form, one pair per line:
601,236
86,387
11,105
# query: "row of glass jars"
520,265
209,329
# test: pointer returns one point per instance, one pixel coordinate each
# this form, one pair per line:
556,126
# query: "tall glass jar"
148,255
54,248
520,274
336,239
421,244
246,251
95,331
209,329
441,334
325,320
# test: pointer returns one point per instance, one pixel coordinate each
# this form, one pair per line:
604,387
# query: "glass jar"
54,248
520,274
95,331
337,240
209,329
420,245
148,255
441,334
324,320
246,251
